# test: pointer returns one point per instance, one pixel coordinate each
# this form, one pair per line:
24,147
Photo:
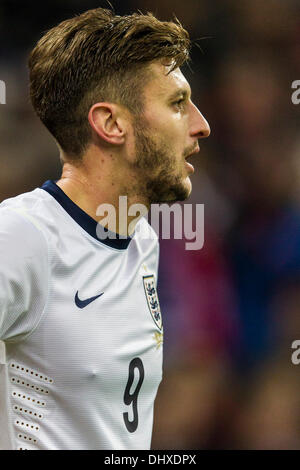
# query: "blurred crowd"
232,309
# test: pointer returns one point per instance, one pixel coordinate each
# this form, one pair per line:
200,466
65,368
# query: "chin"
180,192
185,191
169,190
188,187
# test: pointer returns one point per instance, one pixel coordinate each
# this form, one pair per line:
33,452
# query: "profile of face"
166,135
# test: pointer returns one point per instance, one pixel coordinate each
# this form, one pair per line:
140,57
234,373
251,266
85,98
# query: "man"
79,314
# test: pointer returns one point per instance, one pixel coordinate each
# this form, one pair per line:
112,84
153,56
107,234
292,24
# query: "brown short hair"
97,56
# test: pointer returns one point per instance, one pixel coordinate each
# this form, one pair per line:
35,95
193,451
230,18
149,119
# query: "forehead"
163,83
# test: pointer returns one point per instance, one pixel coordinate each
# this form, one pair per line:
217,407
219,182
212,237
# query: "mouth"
187,165
197,150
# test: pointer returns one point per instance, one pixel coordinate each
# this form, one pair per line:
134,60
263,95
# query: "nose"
199,125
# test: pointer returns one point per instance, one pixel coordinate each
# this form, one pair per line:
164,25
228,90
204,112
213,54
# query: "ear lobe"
106,121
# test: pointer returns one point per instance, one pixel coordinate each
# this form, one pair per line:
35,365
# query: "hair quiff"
97,56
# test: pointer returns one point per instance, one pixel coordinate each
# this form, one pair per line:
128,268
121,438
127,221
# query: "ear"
107,121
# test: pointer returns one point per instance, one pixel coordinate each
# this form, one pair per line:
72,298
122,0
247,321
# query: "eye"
180,103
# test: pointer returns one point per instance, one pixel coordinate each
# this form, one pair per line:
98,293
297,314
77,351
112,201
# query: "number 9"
129,398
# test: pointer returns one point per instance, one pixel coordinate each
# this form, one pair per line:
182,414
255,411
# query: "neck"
91,185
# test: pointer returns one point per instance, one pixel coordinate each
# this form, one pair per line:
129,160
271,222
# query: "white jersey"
81,324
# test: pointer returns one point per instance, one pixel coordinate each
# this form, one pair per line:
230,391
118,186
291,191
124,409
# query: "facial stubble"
158,178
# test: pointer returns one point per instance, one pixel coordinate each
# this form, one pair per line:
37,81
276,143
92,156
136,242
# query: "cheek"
175,139
171,131
172,125
178,137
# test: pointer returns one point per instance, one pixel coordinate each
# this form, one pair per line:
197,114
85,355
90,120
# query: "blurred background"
232,309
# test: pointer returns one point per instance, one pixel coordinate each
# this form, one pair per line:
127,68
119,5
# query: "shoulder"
147,243
24,269
145,234
20,224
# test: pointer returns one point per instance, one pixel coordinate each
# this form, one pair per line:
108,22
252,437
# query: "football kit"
82,329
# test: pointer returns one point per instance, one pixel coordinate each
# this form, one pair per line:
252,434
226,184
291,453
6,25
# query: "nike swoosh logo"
84,303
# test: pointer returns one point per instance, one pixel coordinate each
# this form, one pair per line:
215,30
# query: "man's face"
165,135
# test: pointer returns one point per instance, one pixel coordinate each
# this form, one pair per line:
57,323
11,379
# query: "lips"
197,150
188,166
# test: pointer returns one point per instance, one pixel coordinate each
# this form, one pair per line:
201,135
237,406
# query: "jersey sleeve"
23,274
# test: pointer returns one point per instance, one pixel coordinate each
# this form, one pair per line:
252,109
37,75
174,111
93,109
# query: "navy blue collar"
82,218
